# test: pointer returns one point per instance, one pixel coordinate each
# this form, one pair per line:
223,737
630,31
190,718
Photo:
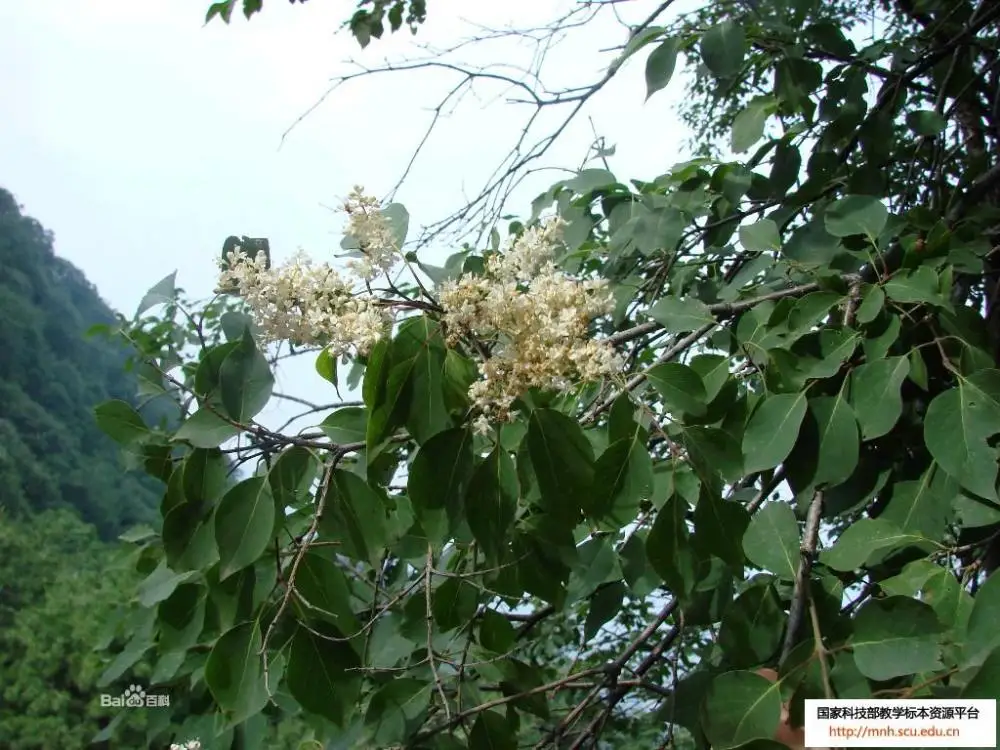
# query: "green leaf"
678,315
660,66
235,324
872,300
668,547
835,346
949,600
204,477
346,425
125,660
355,516
875,395
161,293
785,168
323,585
916,286
495,632
244,525
740,707
454,603
772,430
926,122
292,475
250,7
713,369
957,428
234,674
856,214
896,636
320,675
810,310
923,507
245,381
839,445
492,732
760,236
719,527
589,180
428,414
723,48
396,710
491,501
398,219
982,635
680,387
137,534
637,41
121,422
636,568
986,682
563,461
918,370
623,476
388,409
865,540
714,451
459,373
160,584
604,606
326,367
748,125
597,564
771,541
438,480
181,618
752,627
204,429
206,376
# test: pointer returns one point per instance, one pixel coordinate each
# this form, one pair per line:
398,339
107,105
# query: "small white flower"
369,226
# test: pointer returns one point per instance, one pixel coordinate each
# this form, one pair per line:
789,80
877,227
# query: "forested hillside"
63,493
52,455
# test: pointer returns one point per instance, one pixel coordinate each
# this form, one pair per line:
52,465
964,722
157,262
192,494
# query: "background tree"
792,464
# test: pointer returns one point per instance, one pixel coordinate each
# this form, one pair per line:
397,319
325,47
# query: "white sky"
143,138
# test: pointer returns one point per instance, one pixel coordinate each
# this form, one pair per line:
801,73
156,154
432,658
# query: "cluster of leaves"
367,23
799,469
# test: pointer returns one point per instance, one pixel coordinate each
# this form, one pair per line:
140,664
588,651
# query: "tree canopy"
665,433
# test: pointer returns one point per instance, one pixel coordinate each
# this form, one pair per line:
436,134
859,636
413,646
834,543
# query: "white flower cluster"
189,745
369,227
305,303
538,319
314,304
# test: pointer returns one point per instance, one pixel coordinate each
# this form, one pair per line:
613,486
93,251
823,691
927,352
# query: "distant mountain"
52,454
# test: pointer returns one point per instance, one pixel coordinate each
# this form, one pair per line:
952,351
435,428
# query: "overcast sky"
142,138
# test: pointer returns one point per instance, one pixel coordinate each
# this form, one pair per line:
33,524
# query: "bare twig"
303,548
810,539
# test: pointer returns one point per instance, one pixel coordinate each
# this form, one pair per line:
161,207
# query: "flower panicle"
536,317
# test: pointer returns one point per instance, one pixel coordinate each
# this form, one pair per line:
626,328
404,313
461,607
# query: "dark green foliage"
61,590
